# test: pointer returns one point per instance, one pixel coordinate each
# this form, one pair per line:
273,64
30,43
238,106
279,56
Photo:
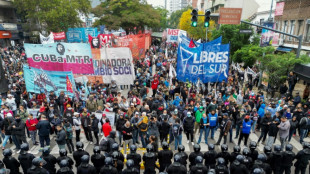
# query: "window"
292,28
284,29
300,26
308,33
261,21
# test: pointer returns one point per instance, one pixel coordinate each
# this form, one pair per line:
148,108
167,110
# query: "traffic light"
207,18
194,17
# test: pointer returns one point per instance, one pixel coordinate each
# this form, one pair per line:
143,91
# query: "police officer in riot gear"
50,160
302,157
237,166
198,168
247,159
149,159
210,157
64,167
63,156
25,158
130,168
79,153
287,159
85,167
258,171
235,153
193,155
267,151
164,156
276,159
108,167
224,153
261,163
176,167
183,155
253,151
10,162
221,167
36,167
115,148
97,159
133,155
118,164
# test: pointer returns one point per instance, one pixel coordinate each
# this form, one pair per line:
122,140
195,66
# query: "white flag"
166,53
47,40
172,73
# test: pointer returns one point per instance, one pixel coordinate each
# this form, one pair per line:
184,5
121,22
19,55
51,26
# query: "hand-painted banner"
59,36
174,34
75,57
38,80
94,42
267,35
115,64
81,34
105,40
47,40
208,62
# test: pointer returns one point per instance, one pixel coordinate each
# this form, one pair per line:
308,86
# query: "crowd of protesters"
157,109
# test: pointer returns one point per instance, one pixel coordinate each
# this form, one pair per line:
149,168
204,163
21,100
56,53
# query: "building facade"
175,5
10,31
295,20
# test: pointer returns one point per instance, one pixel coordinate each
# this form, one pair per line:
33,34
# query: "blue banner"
209,62
38,80
185,40
81,34
267,35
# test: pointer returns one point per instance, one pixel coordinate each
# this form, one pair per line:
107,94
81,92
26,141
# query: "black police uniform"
77,156
176,168
86,169
131,171
136,159
50,163
224,155
65,170
238,168
12,164
25,161
210,158
192,158
149,159
253,154
37,170
287,161
198,169
265,166
303,158
221,169
164,157
97,160
275,161
60,158
184,158
233,156
108,169
248,162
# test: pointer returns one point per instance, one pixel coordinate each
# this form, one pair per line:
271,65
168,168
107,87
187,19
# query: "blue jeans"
143,136
206,130
291,134
302,135
120,137
177,141
6,138
135,136
213,129
253,126
237,131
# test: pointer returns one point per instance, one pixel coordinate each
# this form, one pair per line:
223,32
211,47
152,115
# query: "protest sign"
38,79
47,40
110,116
59,36
172,35
33,112
75,57
81,34
208,62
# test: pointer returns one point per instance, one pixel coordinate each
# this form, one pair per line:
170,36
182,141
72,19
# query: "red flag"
69,85
191,44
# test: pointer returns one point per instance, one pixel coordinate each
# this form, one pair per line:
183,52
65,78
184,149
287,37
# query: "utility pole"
270,19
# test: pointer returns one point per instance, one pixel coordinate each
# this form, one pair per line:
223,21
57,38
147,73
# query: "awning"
284,49
303,71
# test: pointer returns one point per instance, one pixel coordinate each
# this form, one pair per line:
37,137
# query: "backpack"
68,131
143,126
175,129
104,144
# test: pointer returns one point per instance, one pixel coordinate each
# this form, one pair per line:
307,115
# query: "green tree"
198,32
52,15
174,19
163,19
249,54
230,34
131,15
277,66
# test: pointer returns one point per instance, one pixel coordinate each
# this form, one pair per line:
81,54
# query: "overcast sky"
157,3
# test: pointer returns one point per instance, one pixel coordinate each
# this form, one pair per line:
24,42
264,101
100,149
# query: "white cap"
9,114
76,113
188,113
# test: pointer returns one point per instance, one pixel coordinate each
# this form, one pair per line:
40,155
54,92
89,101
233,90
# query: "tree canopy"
131,15
230,34
52,15
198,32
163,19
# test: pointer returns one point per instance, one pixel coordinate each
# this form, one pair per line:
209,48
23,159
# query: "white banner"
47,40
117,65
34,112
110,116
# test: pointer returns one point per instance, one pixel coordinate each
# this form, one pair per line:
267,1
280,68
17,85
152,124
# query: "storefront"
5,37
